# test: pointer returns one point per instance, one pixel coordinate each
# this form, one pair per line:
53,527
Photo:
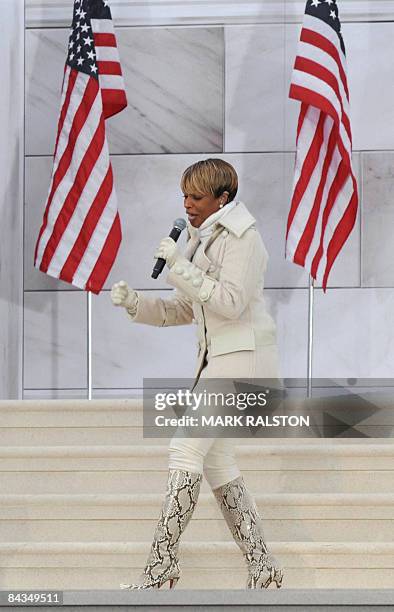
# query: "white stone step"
306,506
89,435
318,481
291,468
133,517
116,482
213,565
145,482
99,422
295,457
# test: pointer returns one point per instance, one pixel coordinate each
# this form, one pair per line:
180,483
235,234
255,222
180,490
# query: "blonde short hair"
210,176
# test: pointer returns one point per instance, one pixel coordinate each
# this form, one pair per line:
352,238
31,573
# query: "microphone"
179,225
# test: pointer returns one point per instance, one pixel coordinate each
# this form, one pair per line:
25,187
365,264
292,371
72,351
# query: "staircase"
81,492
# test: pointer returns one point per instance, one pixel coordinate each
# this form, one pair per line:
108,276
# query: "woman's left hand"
167,250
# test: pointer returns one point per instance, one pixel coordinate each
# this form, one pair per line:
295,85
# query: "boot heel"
173,582
278,581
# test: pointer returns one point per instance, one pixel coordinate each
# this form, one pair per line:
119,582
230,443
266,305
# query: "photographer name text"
242,420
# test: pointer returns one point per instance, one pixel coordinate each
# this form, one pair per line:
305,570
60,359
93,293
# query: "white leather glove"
123,295
168,250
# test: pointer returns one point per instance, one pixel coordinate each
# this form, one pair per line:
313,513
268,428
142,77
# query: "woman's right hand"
123,295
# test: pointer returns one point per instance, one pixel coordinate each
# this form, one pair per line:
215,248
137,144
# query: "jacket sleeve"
244,263
162,312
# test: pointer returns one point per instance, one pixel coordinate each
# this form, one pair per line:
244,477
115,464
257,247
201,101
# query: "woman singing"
219,284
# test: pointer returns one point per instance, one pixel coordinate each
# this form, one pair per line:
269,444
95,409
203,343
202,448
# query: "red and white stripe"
109,69
324,201
81,233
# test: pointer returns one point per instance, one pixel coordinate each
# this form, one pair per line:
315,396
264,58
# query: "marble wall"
11,198
194,92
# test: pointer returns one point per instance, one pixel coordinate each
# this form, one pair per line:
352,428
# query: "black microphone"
179,225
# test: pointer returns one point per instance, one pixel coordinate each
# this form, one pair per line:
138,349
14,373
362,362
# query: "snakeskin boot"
245,524
162,565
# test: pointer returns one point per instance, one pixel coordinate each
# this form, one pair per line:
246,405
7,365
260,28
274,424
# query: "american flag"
324,201
81,232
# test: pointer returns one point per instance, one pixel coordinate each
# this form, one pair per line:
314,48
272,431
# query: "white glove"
123,295
168,250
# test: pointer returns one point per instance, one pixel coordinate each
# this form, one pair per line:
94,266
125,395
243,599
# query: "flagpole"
102,240
89,345
310,335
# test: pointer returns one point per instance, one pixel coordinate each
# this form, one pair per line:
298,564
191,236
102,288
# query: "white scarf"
207,227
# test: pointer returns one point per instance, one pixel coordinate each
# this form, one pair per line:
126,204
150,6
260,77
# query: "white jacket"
219,286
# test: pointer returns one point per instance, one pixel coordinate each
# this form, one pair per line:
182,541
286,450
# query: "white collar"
237,221
207,227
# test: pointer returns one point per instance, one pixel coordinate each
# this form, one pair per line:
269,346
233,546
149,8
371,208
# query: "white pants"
213,457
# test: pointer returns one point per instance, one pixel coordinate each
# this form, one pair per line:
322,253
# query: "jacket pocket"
235,339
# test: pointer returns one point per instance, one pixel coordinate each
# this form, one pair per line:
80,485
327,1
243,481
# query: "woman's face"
200,207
